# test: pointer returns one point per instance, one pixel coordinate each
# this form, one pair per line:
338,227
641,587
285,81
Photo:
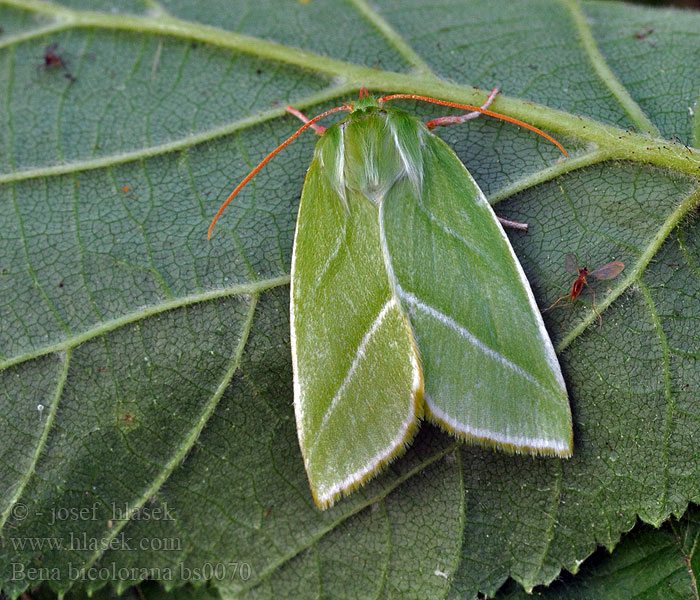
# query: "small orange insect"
51,57
607,271
53,60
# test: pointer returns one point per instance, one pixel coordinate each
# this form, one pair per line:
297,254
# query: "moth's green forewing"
394,239
491,374
357,381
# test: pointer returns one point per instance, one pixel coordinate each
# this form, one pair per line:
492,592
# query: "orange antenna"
265,160
490,113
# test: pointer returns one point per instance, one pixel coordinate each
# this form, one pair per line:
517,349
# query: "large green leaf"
161,363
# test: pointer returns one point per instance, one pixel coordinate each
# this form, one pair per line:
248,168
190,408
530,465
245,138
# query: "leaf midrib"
619,143
611,142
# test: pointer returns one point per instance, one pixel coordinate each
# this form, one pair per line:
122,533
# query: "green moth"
407,301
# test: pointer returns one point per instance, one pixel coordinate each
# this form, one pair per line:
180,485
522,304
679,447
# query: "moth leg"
318,129
512,224
441,121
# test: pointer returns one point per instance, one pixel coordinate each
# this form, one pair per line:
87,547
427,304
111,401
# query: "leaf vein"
30,269
668,396
137,315
331,526
604,71
549,173
187,443
637,270
391,35
30,470
180,144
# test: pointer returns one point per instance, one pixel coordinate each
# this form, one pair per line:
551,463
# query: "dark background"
677,3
